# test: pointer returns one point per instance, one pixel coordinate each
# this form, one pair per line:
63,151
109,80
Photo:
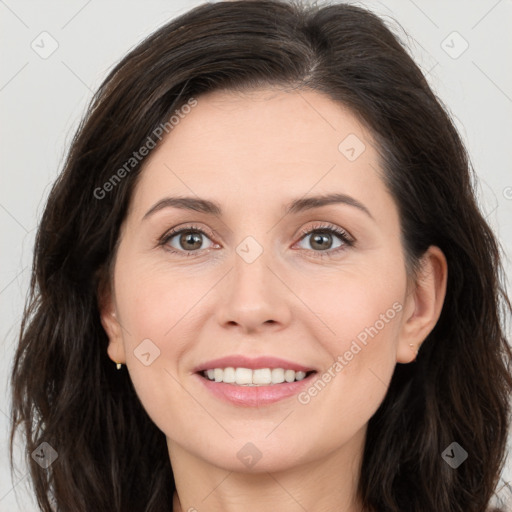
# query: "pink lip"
254,396
239,361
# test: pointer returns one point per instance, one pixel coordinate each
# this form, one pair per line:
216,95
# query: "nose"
253,296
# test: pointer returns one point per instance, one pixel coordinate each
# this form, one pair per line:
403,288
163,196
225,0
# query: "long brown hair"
66,391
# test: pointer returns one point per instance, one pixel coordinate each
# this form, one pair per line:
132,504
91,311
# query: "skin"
253,153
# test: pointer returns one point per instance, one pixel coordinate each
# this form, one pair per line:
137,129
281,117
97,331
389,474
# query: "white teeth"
248,377
277,375
262,376
229,375
289,375
242,376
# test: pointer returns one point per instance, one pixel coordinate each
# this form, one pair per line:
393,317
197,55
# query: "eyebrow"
296,206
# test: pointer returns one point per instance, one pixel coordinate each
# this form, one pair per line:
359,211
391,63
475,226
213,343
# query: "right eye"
189,238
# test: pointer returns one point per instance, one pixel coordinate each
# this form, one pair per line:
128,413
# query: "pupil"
189,238
319,237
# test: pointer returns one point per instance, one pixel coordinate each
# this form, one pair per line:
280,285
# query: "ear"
110,322
423,304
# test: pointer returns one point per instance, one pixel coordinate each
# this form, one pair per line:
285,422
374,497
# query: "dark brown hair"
66,391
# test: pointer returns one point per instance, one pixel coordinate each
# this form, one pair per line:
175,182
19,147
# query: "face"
317,287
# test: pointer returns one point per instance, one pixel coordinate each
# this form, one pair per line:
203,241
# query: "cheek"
155,300
360,316
367,326
355,305
154,306
352,386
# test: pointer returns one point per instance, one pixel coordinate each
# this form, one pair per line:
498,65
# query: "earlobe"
423,305
112,327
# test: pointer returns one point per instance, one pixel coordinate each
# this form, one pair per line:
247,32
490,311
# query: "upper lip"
239,361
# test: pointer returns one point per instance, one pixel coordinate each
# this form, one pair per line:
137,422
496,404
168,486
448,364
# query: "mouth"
254,387
254,377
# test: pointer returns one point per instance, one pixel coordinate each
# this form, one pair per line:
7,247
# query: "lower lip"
254,396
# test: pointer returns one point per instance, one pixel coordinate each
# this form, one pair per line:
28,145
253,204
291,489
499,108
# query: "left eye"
324,237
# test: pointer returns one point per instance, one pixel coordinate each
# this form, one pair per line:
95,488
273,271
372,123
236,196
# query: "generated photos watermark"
143,151
343,360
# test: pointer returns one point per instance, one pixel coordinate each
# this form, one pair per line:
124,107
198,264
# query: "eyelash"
347,240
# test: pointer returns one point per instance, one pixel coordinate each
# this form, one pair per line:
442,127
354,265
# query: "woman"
257,372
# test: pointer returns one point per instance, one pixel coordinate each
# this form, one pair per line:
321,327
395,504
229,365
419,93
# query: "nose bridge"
254,295
252,274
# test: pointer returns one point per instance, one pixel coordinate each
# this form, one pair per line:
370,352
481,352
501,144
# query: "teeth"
261,376
229,375
289,375
248,377
277,375
242,375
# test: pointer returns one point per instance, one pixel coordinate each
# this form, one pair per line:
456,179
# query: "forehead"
305,122
261,144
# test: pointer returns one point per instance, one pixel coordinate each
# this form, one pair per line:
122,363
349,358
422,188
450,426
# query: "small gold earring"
118,365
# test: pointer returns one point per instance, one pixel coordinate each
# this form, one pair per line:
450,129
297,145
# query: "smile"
245,394
256,377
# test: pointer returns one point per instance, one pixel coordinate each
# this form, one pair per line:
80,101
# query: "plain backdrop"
462,46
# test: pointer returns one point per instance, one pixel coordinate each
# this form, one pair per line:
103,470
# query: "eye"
323,237
188,241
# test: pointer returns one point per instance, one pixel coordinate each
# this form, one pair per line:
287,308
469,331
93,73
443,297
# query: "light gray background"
42,100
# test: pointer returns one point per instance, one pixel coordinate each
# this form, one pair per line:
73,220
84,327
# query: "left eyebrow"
308,203
295,206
